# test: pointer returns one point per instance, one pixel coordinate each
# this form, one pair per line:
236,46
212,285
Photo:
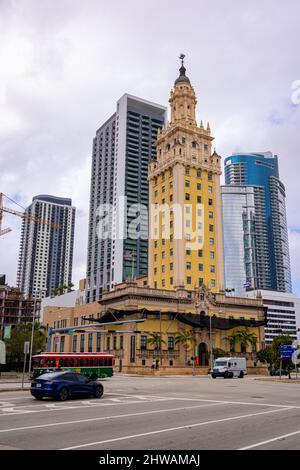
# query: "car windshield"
51,376
221,363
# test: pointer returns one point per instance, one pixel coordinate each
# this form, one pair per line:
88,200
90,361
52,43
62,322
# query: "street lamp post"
32,330
211,344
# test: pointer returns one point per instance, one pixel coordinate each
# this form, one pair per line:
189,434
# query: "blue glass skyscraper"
264,235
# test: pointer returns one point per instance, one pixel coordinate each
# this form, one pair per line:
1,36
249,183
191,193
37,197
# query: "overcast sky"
65,63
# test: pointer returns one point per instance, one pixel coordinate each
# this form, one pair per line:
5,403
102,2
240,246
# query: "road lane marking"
228,402
51,408
23,409
126,399
160,431
56,407
258,444
102,418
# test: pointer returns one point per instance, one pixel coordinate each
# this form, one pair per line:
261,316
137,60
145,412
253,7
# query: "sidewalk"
13,383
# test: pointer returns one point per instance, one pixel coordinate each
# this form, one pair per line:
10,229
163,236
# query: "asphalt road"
158,413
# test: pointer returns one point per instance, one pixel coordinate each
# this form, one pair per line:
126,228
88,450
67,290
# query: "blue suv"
64,385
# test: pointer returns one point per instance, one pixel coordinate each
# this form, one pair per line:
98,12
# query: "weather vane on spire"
181,57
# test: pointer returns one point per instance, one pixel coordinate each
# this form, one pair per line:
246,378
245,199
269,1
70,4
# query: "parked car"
277,372
63,385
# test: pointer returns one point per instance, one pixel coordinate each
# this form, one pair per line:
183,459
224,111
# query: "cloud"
64,64
294,239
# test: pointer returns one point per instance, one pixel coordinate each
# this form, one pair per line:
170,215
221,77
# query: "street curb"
282,381
15,390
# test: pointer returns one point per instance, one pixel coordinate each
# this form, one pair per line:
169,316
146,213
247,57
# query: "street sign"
287,351
26,347
70,331
2,353
7,332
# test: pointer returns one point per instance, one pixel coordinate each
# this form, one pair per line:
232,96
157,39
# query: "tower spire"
182,77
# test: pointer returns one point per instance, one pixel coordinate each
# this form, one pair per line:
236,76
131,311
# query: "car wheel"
213,376
38,397
241,376
99,391
63,394
226,375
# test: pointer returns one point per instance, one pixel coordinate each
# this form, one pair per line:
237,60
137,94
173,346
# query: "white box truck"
229,367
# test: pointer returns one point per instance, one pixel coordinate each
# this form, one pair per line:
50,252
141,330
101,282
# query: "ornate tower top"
182,77
183,99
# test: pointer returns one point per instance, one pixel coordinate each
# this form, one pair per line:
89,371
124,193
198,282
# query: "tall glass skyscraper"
122,148
254,224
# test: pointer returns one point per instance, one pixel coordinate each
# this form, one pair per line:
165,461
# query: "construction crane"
23,215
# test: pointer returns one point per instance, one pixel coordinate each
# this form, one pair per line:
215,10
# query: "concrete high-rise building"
185,240
282,314
256,247
14,308
122,148
46,249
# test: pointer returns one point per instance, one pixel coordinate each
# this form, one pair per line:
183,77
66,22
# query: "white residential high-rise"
282,315
46,249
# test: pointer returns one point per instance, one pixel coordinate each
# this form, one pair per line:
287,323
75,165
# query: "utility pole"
160,337
32,329
211,344
32,335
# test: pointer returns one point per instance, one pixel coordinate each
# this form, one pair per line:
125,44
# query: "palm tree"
155,340
55,291
244,337
70,286
185,337
232,339
60,290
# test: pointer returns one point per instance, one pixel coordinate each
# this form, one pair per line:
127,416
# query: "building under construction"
14,308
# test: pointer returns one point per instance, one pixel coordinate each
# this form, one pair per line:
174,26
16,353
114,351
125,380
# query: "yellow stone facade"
185,236
167,312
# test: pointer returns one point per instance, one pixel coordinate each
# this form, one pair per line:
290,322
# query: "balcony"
150,353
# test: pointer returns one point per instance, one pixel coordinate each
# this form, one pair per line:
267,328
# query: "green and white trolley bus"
93,365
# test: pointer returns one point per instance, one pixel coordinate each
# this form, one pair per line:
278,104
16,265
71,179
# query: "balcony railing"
147,353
